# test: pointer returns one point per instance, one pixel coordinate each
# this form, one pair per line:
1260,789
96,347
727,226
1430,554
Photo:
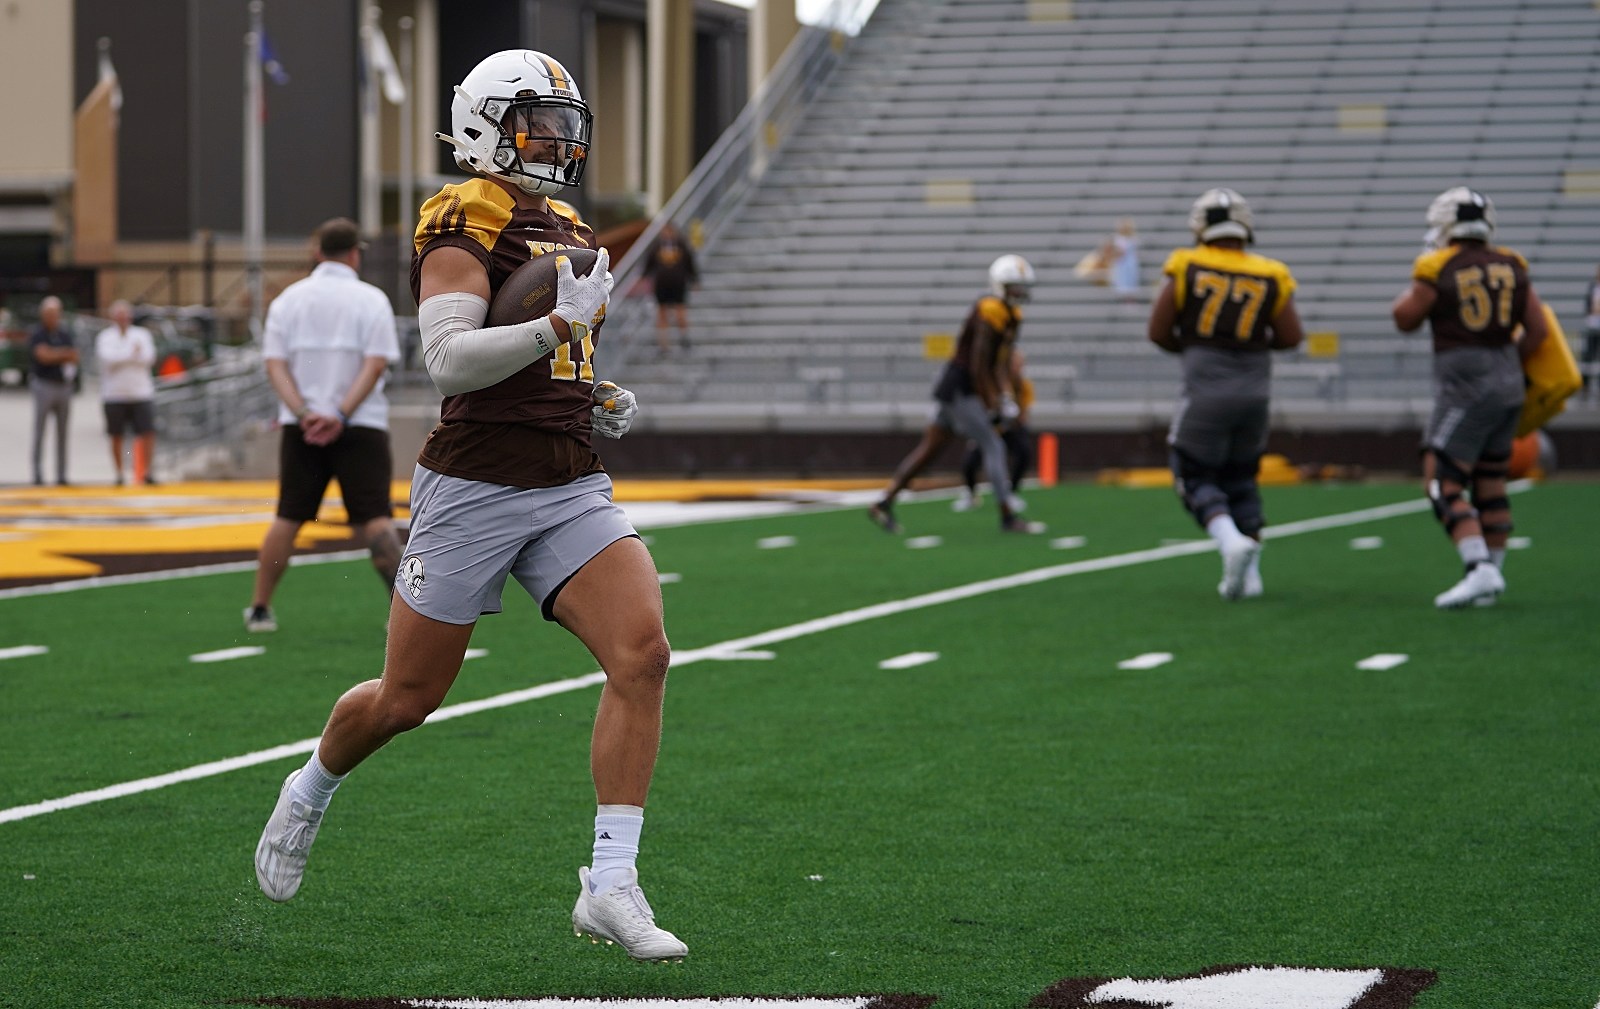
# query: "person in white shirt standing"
327,343
127,356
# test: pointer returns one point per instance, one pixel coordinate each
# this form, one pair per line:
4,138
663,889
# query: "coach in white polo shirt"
328,341
127,356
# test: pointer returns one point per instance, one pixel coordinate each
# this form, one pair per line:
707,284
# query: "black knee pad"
1244,496
1444,509
1445,468
1198,486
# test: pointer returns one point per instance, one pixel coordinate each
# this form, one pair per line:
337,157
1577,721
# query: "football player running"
974,398
508,484
1223,309
1474,296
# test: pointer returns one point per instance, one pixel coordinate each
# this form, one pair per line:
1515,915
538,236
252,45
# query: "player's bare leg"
613,605
934,440
421,662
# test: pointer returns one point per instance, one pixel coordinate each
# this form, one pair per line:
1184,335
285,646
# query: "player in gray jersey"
1223,309
1474,296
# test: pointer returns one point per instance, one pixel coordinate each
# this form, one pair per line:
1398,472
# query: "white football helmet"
1221,213
518,117
1459,212
1011,278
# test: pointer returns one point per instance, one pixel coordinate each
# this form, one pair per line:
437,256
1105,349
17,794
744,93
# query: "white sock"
1498,555
314,785
616,844
1224,531
1473,551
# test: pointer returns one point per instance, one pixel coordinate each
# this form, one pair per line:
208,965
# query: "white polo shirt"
326,326
126,357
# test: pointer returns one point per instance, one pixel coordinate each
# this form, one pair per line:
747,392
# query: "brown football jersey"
532,429
991,320
1482,294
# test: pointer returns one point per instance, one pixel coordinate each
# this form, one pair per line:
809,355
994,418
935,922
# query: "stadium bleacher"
957,130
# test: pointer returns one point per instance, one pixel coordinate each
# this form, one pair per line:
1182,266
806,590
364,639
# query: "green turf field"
974,828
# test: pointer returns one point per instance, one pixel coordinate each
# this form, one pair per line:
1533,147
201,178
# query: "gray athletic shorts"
1216,432
467,536
1478,400
966,416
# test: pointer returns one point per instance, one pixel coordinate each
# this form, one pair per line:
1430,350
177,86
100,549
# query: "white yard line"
228,654
721,650
908,660
23,651
1149,660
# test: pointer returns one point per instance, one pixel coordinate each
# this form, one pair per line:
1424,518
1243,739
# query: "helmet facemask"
543,142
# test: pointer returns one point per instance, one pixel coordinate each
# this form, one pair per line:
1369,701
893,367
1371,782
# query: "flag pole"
370,205
254,199
407,201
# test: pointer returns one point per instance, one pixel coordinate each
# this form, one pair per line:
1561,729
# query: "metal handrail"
734,165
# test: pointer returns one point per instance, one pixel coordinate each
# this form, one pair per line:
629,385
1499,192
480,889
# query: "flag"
269,60
382,62
107,72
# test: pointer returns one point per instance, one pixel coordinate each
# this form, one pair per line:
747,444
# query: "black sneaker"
882,515
259,619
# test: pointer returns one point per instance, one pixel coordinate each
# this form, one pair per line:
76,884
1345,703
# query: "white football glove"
582,301
1009,410
614,408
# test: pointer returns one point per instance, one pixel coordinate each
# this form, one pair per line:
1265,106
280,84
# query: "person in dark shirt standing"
52,367
671,268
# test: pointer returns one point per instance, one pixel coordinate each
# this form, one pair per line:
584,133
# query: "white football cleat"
281,852
1236,560
1252,586
622,916
1483,582
966,500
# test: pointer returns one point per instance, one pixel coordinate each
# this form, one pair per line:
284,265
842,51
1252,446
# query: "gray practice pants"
50,399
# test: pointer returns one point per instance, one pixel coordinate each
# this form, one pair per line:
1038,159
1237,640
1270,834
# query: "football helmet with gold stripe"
518,117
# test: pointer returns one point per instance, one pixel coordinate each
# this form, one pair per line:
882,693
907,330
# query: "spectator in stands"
327,342
974,395
52,370
1223,309
672,270
126,354
1591,331
1121,256
1473,295
1018,441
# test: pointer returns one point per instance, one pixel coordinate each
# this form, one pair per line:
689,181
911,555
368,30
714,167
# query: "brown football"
530,291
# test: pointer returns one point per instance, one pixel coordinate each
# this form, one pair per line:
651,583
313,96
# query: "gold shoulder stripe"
568,211
477,208
994,312
1430,264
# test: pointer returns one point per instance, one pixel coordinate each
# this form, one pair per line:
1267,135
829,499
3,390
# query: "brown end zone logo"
1235,986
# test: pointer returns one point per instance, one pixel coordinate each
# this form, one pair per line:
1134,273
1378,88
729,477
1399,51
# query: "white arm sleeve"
461,357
